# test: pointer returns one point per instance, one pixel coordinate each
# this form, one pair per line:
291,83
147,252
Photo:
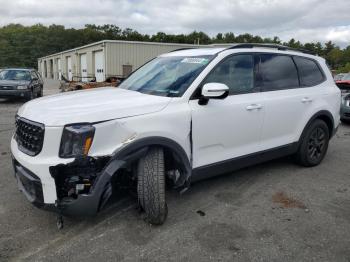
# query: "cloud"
305,20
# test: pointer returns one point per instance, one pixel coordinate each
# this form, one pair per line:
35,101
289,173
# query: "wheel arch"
324,115
133,151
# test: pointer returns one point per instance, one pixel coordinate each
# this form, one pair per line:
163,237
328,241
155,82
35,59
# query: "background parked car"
19,82
339,76
344,85
344,82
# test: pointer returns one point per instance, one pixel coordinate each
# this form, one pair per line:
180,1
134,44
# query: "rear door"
228,128
285,101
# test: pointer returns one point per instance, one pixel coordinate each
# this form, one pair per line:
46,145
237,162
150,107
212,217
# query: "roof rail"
181,49
276,46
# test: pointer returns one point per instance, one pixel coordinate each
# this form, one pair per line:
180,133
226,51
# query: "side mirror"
35,79
213,91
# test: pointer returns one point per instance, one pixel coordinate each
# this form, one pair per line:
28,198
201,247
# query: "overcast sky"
304,20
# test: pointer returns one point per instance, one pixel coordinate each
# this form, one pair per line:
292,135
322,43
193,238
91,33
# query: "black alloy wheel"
317,144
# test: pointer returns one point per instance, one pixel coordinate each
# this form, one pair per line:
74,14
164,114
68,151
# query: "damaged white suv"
184,116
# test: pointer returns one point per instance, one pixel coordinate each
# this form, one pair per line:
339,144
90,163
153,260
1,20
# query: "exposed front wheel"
151,186
314,144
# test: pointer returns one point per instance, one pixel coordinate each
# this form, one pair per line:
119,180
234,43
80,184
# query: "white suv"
183,116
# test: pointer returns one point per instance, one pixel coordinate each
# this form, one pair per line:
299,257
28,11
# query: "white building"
103,59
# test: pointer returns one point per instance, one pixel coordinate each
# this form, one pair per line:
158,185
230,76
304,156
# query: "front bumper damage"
87,203
72,198
83,186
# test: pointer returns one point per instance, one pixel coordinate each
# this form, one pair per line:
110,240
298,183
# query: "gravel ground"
270,212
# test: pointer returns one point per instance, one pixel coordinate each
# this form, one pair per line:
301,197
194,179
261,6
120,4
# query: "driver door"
35,81
225,129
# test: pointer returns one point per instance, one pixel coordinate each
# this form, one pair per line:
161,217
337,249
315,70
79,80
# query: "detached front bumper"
84,205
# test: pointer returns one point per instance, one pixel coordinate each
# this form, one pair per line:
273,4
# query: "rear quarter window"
309,72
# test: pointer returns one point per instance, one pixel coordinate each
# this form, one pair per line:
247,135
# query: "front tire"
151,186
32,95
314,144
40,93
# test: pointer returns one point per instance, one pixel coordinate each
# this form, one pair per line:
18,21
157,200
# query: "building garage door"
45,69
59,68
69,68
51,69
99,66
83,67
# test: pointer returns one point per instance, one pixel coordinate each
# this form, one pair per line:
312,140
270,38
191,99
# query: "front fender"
134,151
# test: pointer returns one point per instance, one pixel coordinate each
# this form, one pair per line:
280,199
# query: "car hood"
92,105
13,82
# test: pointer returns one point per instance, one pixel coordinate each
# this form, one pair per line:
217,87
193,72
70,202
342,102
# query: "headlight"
76,140
347,101
22,87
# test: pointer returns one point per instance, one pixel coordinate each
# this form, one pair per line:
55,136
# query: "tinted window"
277,72
237,72
310,74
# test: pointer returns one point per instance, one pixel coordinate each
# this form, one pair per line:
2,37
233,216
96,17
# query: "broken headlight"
76,140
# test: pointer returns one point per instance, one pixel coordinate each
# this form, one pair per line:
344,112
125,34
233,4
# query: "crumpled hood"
90,106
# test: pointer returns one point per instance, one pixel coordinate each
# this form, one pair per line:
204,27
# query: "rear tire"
314,144
151,186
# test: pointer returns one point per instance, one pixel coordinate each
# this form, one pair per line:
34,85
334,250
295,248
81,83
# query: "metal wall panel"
133,54
116,54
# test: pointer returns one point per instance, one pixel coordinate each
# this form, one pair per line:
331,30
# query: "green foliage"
21,46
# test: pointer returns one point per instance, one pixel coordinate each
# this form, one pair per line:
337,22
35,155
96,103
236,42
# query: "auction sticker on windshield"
195,60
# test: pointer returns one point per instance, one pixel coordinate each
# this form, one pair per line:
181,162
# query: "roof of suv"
194,52
215,49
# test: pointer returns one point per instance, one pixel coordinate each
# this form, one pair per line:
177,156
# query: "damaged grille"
29,136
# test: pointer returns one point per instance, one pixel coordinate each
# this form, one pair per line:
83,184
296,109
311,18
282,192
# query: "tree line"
20,46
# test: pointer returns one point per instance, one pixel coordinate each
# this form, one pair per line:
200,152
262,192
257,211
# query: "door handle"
306,100
253,107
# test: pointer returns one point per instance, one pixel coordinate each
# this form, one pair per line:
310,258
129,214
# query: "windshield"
166,76
19,75
346,77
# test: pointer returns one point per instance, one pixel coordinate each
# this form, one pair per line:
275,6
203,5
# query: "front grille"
7,88
29,136
347,114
